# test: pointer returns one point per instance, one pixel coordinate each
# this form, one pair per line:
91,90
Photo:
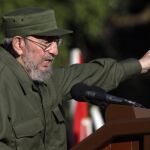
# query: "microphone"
97,96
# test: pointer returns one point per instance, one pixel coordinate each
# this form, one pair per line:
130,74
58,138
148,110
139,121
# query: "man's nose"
53,49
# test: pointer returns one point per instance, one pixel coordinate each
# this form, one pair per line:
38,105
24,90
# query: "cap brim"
56,32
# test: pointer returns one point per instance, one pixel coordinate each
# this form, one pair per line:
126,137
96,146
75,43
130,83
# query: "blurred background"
102,28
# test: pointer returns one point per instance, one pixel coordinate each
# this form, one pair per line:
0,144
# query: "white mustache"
51,58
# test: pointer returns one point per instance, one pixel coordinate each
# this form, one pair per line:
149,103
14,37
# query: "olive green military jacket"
31,116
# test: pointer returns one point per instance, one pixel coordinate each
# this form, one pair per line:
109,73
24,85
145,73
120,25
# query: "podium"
125,128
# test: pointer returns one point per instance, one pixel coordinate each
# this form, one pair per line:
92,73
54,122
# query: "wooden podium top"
120,121
119,112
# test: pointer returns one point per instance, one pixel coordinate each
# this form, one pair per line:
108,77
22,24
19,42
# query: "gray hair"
8,44
7,41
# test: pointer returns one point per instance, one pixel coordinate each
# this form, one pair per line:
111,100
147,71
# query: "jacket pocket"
29,135
28,128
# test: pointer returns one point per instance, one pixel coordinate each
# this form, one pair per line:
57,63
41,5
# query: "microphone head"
92,94
95,92
81,91
78,91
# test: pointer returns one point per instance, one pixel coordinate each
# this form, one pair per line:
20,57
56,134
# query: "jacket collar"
16,68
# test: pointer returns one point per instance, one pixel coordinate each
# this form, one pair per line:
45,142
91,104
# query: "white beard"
33,71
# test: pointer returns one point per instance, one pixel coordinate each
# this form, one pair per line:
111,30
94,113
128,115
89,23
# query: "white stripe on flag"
97,117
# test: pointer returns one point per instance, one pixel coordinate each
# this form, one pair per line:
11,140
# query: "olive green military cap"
31,21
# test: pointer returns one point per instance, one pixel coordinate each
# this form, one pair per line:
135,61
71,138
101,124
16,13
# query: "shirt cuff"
131,67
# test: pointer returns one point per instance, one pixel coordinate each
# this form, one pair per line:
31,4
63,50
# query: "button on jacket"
31,114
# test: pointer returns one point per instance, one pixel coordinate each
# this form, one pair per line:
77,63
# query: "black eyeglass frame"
43,46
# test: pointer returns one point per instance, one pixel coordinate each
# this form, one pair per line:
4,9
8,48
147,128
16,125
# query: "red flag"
81,112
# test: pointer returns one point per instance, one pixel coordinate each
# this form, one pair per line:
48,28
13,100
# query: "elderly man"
31,93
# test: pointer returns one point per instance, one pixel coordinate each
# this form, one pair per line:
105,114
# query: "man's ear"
18,45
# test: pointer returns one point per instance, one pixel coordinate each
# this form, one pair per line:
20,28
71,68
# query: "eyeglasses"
45,47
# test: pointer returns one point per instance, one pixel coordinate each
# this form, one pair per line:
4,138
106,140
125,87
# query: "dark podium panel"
126,128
